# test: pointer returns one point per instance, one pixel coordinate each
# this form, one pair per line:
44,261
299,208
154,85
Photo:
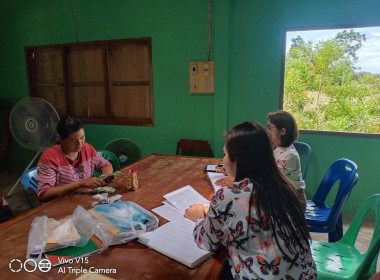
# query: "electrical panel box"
201,76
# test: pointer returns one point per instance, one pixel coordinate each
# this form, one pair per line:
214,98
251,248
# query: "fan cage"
33,123
126,150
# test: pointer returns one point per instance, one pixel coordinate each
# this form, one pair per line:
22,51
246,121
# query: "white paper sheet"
168,212
184,197
211,167
175,239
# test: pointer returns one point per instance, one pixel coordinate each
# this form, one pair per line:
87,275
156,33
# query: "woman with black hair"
258,218
69,165
284,132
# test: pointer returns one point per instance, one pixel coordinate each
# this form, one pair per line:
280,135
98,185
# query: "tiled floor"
19,204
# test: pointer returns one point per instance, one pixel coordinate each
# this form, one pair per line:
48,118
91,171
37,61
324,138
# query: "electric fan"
125,150
33,124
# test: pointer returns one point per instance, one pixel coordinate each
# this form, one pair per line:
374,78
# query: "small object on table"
104,189
132,182
218,168
104,199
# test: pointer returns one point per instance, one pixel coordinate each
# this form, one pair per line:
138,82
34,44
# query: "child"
258,218
284,132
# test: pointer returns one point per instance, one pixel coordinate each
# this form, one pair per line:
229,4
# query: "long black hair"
249,145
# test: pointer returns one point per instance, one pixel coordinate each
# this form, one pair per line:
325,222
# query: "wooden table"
157,175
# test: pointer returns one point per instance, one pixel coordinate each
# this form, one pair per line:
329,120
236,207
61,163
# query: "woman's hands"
90,183
109,179
94,182
224,181
58,191
196,211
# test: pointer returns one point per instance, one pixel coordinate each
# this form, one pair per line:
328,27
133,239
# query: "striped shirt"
55,169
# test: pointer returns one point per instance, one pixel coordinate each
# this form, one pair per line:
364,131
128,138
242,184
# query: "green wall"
179,32
246,47
255,71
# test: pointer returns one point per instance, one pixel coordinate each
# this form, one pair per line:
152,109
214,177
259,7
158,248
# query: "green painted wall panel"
246,47
255,84
179,35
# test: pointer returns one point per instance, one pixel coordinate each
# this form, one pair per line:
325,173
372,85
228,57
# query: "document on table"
175,240
211,168
168,212
214,168
184,197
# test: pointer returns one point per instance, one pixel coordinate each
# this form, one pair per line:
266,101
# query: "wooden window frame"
67,85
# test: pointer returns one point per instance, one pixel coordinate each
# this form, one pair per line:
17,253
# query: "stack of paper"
175,239
178,201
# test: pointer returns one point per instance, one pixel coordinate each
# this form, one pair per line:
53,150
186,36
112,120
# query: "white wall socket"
195,85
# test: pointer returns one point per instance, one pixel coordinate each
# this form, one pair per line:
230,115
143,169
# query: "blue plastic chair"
29,181
304,151
319,216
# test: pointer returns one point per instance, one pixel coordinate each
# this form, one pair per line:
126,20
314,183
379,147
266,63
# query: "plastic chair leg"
339,226
337,234
29,200
333,237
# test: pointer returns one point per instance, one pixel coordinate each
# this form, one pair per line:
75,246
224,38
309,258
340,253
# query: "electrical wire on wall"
75,20
209,32
208,58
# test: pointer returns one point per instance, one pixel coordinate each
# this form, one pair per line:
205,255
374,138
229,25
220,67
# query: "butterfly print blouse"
253,252
288,161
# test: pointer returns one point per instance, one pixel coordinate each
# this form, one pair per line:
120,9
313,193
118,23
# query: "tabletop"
157,175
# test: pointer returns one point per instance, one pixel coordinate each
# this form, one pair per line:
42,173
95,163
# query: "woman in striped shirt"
69,165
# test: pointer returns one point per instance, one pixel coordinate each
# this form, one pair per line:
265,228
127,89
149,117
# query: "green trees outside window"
324,90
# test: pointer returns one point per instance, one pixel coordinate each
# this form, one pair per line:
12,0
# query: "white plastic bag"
47,234
126,219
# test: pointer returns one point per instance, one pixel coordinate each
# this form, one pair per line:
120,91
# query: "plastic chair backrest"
349,238
111,157
341,260
193,146
126,150
341,169
304,151
29,181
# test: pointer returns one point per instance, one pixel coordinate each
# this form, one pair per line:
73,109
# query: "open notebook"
175,239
